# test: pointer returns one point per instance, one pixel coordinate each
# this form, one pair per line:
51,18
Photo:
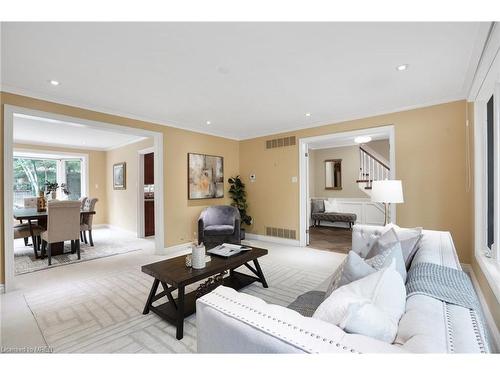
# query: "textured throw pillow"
371,306
363,240
410,241
331,206
385,258
384,242
354,267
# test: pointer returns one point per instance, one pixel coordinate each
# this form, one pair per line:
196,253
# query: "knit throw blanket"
448,285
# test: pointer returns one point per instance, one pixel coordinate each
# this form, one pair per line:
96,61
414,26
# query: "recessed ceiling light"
402,67
208,122
53,82
363,139
308,114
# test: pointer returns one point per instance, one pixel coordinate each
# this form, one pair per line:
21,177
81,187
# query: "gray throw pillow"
384,242
355,268
384,259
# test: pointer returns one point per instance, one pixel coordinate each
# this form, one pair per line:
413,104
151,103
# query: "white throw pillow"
331,206
371,306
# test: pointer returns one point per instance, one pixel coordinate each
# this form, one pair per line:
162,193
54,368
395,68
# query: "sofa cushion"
219,229
371,306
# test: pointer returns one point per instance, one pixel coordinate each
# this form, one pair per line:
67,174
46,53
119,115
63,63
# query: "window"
31,171
490,166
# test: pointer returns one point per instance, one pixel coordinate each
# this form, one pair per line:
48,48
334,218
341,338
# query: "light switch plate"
294,179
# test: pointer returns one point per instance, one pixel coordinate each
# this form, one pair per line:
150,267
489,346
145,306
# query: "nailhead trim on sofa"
319,337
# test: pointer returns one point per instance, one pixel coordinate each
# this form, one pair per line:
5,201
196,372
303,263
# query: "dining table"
29,214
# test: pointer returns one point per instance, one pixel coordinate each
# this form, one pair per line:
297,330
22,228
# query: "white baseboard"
282,241
114,227
176,250
2,289
490,321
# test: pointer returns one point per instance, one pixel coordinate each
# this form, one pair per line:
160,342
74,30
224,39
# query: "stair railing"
371,168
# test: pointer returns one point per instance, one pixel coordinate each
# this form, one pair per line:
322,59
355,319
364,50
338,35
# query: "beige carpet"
107,242
105,315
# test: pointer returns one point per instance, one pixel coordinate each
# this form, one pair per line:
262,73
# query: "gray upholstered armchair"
219,224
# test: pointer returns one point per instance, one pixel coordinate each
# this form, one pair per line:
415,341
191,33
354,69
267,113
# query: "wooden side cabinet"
149,169
149,218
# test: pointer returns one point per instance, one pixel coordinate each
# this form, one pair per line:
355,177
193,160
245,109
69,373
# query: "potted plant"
239,196
51,188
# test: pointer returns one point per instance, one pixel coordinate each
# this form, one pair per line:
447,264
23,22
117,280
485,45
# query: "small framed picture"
120,176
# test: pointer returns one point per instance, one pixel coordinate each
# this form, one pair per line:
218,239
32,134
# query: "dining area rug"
107,242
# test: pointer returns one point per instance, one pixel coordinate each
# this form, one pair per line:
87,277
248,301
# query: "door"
149,169
149,218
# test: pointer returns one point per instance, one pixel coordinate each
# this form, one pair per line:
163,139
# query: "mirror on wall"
333,174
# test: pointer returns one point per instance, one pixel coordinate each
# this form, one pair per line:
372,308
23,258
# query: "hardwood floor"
330,239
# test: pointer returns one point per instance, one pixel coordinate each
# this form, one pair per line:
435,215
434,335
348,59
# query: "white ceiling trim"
315,124
73,147
108,111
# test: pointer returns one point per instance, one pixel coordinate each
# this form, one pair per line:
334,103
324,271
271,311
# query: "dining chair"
28,202
63,224
86,221
82,201
23,231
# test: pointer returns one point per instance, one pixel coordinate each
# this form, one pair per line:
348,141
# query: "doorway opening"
336,175
52,158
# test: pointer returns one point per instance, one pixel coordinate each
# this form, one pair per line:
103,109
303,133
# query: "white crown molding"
318,123
490,321
354,116
489,53
8,89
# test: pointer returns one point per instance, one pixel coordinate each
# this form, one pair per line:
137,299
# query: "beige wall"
180,213
97,175
350,172
122,204
430,160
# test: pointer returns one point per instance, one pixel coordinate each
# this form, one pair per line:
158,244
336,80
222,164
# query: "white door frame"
140,191
304,169
9,112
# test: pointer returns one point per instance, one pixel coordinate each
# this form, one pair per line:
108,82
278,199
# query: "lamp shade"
387,191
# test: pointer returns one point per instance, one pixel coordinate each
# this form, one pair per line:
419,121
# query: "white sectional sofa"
233,322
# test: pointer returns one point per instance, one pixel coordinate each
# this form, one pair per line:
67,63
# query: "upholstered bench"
318,214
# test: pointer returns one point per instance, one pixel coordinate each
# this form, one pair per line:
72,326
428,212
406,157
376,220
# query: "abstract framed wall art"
205,176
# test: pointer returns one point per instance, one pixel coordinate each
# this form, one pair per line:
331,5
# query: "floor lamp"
386,192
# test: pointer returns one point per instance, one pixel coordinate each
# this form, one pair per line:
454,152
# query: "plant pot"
54,194
242,234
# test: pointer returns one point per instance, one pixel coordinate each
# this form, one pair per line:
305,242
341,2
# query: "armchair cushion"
219,229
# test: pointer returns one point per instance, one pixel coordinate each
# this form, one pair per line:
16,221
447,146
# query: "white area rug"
104,315
107,242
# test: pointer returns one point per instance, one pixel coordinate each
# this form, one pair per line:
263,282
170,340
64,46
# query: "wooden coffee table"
173,274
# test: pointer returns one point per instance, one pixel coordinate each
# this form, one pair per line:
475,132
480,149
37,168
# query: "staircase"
372,167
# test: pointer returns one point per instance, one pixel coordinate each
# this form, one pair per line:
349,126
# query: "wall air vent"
281,142
281,233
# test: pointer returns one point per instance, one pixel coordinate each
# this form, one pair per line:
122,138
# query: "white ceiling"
43,131
247,79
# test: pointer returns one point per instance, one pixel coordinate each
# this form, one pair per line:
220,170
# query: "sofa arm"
232,322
